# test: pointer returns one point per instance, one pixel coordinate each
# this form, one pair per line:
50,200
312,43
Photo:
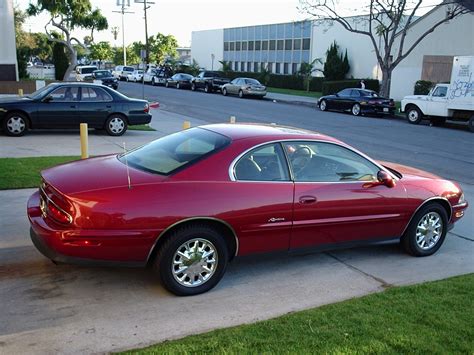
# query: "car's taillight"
147,108
55,206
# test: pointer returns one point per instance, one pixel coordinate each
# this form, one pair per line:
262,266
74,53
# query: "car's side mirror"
48,98
383,178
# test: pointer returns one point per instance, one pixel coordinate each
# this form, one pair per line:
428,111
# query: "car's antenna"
126,164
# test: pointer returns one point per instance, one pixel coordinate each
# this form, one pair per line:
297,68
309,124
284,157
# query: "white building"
8,63
283,47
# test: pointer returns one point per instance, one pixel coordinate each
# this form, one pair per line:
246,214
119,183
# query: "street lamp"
123,12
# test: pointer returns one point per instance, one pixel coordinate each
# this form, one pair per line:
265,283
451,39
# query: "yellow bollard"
84,141
232,119
186,124
20,92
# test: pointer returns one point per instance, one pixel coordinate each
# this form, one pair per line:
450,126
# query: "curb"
292,102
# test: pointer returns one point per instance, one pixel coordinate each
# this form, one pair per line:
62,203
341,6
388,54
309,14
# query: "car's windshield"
369,93
38,94
128,69
252,82
168,154
87,70
102,73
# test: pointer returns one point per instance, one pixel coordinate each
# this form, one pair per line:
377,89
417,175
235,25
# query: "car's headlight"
461,199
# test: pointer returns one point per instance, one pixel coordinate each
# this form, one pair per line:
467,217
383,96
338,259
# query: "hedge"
331,87
423,87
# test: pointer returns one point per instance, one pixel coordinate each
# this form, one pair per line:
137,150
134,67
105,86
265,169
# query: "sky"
181,17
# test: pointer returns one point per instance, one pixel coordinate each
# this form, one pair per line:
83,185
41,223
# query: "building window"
258,45
237,46
272,45
251,45
265,45
255,67
285,68
232,46
306,43
297,44
294,68
242,66
249,66
288,44
280,44
270,67
230,64
236,66
244,45
262,66
277,68
226,46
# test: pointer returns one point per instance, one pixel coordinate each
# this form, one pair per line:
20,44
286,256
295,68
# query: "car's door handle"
305,200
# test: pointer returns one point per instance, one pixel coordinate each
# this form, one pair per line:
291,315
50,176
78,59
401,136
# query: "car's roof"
75,83
264,132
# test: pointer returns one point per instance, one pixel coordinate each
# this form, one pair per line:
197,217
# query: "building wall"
206,43
450,39
360,51
8,63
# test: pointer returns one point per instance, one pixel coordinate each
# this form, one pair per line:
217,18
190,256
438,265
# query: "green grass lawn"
141,127
20,173
431,318
314,94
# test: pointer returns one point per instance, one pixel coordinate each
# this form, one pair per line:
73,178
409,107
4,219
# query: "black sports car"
66,105
180,81
358,102
106,77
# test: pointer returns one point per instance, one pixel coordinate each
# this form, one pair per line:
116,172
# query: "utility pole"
147,47
123,12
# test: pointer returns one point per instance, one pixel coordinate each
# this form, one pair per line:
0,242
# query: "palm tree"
226,68
307,69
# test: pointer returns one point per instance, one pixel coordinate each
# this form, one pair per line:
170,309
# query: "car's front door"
235,86
340,102
59,108
264,199
437,102
336,202
95,106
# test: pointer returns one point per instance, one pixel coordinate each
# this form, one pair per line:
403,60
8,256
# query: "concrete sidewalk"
292,99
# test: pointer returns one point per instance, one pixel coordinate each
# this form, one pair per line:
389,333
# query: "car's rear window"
174,152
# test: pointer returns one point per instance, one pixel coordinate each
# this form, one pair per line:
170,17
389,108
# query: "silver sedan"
244,87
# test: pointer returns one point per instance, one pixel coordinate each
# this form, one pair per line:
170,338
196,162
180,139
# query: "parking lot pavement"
67,142
71,309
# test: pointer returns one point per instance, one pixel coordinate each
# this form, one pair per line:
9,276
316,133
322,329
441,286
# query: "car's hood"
14,100
409,171
99,173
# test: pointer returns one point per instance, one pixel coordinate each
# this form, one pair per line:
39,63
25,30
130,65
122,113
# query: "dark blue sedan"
66,105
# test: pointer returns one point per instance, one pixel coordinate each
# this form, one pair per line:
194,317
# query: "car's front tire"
192,260
15,124
178,86
414,115
116,125
427,230
323,105
355,110
241,94
224,91
193,87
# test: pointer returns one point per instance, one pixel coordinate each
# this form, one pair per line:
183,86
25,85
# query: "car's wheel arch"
18,111
433,200
412,105
227,231
121,114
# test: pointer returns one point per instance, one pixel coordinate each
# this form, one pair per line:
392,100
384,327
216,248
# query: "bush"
423,87
294,82
331,87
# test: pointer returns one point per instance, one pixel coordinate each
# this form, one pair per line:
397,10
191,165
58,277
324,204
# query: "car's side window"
328,162
345,92
355,93
440,91
64,94
94,95
265,163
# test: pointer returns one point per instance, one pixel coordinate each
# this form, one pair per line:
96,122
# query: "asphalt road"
70,309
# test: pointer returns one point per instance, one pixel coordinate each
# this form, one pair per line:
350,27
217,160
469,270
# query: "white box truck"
453,101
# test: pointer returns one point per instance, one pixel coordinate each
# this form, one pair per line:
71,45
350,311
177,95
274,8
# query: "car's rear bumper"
142,118
255,93
378,109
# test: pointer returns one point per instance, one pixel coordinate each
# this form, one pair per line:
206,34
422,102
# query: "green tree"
132,57
162,47
101,51
66,16
346,67
334,67
264,75
22,45
307,70
226,68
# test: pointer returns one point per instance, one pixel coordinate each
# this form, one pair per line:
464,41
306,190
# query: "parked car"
209,81
453,101
156,76
179,81
244,87
189,202
358,102
106,78
121,72
135,76
66,105
84,72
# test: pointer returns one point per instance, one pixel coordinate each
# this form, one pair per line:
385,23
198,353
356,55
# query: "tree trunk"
72,62
385,84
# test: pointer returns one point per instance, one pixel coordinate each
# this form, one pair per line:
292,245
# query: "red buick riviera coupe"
189,202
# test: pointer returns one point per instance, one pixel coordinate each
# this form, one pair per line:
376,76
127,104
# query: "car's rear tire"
241,94
471,124
323,105
355,110
427,230
15,124
224,91
414,115
192,260
207,89
116,125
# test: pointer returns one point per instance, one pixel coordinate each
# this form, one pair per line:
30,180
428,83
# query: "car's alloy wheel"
116,125
178,86
426,231
207,88
167,85
192,260
193,87
241,94
15,125
224,91
414,115
355,110
322,105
